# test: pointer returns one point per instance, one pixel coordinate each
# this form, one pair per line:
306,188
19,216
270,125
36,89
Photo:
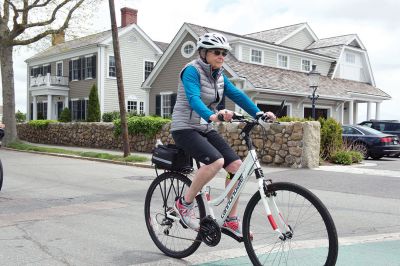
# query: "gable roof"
274,35
337,40
287,82
92,40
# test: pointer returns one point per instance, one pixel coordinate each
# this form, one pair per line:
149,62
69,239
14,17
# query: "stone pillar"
351,114
49,105
369,111
34,115
378,111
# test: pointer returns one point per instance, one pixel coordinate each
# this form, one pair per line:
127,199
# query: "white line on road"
358,170
240,252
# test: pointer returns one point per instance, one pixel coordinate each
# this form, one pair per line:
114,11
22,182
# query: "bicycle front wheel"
162,222
312,238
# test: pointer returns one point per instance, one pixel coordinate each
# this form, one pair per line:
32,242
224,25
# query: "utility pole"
120,82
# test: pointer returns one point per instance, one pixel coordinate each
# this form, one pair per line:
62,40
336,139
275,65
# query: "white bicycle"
288,223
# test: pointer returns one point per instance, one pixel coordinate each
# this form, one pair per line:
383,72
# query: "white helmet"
213,40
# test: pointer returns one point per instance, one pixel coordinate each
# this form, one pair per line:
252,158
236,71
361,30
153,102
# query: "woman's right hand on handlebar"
222,115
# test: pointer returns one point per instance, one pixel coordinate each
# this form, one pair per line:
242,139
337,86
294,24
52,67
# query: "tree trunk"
7,78
120,81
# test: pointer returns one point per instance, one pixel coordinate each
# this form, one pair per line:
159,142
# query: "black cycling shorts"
204,147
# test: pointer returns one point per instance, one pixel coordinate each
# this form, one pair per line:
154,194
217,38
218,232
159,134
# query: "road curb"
143,165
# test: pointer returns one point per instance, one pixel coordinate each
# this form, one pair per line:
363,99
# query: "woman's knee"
234,166
218,164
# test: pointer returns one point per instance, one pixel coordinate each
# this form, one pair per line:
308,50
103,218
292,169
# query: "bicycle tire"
1,175
171,243
314,240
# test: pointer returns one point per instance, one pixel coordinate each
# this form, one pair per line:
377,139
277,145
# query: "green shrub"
147,125
20,117
93,106
342,157
40,124
65,115
110,116
292,119
331,137
356,156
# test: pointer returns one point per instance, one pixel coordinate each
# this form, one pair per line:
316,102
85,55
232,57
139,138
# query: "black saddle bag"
170,157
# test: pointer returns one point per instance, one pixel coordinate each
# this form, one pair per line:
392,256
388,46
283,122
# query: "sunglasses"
219,52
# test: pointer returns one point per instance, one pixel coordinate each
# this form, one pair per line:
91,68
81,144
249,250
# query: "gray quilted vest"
183,116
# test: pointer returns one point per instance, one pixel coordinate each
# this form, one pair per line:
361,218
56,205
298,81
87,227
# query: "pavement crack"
42,247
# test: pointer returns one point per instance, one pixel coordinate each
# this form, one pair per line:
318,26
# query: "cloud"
375,22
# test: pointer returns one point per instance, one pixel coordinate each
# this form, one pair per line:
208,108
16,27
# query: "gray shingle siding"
167,79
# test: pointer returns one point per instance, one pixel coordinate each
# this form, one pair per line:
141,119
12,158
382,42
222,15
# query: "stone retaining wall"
289,144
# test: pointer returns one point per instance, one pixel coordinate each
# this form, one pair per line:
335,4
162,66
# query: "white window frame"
165,93
86,68
134,106
62,68
277,103
301,64
141,107
353,56
184,53
76,59
251,56
277,61
108,68
329,108
144,67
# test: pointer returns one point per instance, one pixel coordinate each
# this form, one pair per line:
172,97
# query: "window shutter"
49,69
83,67
70,70
79,69
32,72
94,66
173,101
158,105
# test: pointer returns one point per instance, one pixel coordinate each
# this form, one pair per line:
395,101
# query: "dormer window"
305,65
350,58
256,56
283,61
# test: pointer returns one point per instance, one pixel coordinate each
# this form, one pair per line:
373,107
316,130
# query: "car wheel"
361,148
376,156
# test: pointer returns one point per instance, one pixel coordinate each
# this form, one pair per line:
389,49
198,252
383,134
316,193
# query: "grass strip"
99,155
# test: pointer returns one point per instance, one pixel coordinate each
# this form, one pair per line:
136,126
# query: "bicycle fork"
274,216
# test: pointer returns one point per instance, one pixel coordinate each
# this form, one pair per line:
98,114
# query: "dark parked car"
391,127
370,142
1,133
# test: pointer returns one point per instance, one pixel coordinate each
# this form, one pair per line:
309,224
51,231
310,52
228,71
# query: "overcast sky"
377,23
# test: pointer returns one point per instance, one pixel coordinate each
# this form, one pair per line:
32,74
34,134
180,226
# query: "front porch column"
355,117
66,102
49,105
378,111
369,111
34,115
351,114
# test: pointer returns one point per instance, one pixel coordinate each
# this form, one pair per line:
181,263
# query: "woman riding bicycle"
201,88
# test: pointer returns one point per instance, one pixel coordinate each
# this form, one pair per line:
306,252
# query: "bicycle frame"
250,164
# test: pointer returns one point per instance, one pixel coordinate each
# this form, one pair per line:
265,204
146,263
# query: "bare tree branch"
52,31
53,15
6,11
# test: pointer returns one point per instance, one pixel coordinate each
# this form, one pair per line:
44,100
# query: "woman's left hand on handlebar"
269,116
227,114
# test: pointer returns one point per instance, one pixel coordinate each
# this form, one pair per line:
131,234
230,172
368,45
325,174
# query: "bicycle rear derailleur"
209,231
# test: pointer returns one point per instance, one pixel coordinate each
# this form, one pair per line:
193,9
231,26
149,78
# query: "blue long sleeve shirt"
191,82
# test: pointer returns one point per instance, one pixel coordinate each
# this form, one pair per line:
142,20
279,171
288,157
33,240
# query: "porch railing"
48,80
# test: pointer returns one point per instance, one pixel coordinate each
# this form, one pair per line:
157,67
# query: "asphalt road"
60,211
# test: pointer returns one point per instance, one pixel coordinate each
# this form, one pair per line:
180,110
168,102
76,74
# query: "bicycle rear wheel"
169,235
313,240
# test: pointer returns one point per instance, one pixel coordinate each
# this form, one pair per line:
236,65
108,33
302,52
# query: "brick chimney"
128,16
58,38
